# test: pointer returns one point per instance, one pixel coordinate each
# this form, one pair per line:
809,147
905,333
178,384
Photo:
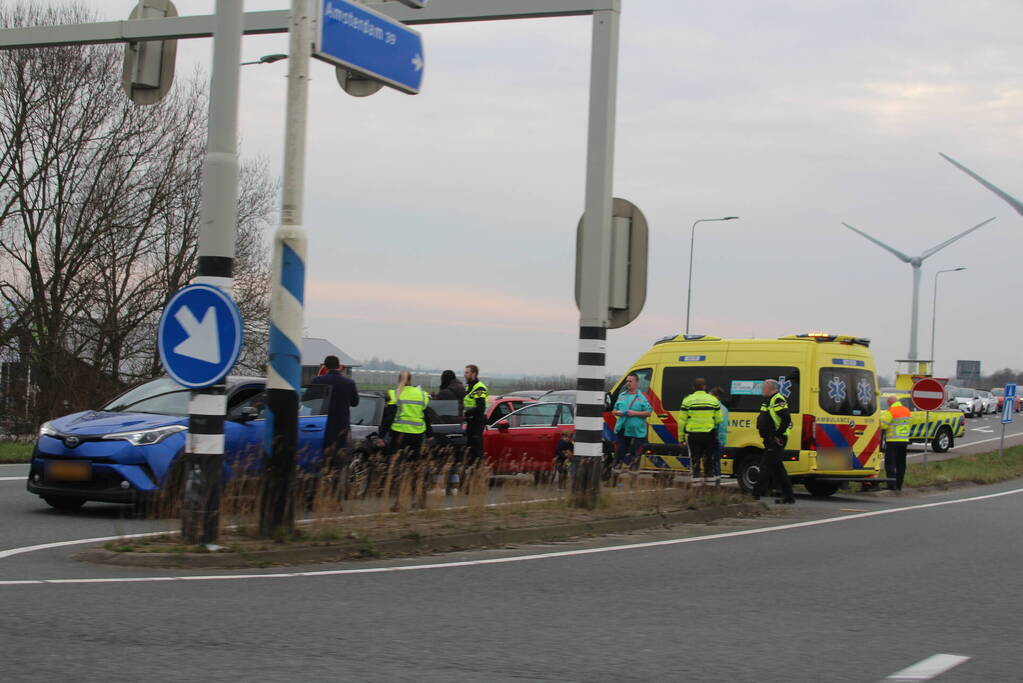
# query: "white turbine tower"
916,262
1012,201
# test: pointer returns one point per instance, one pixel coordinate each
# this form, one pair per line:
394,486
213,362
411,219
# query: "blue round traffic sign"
200,336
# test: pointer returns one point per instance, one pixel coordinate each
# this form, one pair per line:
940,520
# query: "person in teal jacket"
722,434
632,409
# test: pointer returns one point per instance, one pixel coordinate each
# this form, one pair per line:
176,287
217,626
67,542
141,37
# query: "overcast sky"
442,226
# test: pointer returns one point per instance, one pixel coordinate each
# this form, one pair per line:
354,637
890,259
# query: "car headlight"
147,437
47,429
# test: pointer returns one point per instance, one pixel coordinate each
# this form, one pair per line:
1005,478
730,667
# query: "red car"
501,406
524,441
999,393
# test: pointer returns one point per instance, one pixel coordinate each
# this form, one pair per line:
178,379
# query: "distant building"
314,350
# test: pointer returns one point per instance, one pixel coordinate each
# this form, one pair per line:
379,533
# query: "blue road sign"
1008,403
200,336
370,43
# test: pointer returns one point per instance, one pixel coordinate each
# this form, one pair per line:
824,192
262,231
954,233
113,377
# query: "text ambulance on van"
828,380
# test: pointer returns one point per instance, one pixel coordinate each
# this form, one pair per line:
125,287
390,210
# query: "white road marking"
983,430
470,563
928,668
21,478
974,443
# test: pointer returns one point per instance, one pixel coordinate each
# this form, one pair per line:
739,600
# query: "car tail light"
809,440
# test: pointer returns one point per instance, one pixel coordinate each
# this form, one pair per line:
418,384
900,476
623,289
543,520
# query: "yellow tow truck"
940,427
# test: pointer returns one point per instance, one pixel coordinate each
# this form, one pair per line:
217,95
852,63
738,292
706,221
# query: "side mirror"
249,413
503,425
607,401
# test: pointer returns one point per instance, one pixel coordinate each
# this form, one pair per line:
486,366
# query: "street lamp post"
692,240
934,309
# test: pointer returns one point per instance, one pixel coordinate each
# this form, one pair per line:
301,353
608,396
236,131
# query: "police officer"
405,419
895,425
475,404
699,420
774,424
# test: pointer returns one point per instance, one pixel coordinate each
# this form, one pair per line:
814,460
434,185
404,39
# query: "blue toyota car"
124,452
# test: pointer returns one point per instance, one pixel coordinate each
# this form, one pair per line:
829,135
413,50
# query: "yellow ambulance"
830,384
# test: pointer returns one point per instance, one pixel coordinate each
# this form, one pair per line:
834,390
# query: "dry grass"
379,500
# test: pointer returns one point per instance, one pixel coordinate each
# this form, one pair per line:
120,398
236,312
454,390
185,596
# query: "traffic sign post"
199,340
927,394
1008,408
370,43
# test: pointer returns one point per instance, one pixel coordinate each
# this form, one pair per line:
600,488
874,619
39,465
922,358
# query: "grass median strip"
983,468
14,452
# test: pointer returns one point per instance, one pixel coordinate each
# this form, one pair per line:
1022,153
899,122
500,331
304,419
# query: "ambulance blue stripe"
665,434
834,435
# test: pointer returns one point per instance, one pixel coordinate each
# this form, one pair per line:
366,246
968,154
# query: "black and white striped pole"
593,261
284,376
203,460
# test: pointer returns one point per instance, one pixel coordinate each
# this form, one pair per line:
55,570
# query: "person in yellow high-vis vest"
895,425
406,422
698,421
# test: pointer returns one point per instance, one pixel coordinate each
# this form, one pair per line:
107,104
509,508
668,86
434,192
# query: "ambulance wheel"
821,489
748,473
942,441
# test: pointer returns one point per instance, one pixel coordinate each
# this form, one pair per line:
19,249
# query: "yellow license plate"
834,461
68,471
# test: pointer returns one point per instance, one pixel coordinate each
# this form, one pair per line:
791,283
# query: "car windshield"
563,396
962,393
162,396
998,392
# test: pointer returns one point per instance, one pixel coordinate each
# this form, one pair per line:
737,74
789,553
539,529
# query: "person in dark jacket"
344,395
450,389
774,424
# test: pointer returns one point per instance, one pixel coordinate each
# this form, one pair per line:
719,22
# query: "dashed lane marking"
929,668
475,563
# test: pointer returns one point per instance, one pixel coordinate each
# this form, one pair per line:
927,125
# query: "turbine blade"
1012,201
935,250
898,254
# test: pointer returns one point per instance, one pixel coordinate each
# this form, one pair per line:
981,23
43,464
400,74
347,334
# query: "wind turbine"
1012,201
916,262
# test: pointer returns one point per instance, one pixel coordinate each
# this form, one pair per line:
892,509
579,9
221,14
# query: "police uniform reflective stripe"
410,410
478,391
772,407
701,412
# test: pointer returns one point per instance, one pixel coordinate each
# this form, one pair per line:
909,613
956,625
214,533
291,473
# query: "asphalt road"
824,591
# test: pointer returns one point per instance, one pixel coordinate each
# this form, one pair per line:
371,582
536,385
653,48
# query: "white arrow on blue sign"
200,336
1008,403
373,44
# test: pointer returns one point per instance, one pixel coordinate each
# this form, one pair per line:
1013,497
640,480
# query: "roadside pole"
1008,408
927,435
284,374
595,260
203,460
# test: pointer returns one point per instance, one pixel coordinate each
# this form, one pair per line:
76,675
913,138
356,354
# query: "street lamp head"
267,59
959,268
730,218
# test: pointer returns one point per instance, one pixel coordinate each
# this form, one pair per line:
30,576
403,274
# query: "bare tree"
99,216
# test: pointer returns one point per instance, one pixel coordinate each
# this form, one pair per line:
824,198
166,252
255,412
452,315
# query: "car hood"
96,423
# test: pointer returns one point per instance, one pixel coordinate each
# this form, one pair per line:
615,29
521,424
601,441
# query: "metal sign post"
1008,409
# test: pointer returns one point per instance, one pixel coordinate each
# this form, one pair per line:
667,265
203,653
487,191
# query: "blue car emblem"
72,441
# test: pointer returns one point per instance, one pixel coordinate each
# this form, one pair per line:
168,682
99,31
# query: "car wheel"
821,489
942,441
749,473
63,502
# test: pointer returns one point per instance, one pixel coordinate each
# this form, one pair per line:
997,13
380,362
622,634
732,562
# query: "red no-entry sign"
928,394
